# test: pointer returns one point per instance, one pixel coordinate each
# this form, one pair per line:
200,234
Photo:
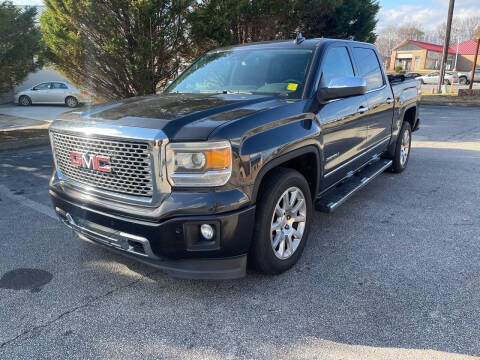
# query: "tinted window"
369,67
43,86
336,64
57,85
276,71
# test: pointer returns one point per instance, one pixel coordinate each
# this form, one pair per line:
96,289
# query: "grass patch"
450,100
22,134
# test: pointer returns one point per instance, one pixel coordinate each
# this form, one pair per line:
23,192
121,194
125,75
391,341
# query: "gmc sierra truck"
229,163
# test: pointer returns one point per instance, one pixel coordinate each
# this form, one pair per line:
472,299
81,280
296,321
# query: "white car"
52,92
433,78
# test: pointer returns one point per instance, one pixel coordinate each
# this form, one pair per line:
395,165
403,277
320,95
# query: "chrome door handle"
362,109
389,100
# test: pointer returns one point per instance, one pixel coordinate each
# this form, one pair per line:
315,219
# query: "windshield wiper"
225,92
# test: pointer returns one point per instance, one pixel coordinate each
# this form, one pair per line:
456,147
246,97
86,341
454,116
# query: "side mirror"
342,87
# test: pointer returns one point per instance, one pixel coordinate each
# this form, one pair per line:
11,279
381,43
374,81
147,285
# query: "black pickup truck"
228,164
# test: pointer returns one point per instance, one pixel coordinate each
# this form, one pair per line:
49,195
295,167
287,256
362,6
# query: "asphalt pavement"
35,112
393,274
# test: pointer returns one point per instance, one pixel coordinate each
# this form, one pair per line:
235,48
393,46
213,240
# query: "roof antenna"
299,38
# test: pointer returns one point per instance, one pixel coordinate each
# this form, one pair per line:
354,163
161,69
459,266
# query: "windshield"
258,71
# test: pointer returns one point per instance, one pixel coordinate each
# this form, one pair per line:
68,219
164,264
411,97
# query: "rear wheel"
71,102
25,100
463,81
283,215
402,149
446,82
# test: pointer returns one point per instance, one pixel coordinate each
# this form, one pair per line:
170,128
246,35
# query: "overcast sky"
429,13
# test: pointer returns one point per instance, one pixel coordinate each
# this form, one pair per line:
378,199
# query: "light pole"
445,45
474,64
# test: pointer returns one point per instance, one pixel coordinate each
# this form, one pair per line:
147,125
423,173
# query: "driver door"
40,92
344,122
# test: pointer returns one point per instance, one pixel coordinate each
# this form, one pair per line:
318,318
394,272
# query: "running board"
336,197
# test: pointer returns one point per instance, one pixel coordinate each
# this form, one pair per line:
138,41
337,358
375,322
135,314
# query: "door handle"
389,100
362,109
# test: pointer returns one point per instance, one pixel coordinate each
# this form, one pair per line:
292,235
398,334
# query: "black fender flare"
309,149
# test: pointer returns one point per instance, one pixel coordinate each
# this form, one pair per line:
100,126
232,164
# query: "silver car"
433,78
52,92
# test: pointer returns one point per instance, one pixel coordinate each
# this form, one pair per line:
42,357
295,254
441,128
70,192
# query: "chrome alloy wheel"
404,148
288,223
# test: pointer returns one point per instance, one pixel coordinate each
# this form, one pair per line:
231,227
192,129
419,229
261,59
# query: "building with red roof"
419,56
466,52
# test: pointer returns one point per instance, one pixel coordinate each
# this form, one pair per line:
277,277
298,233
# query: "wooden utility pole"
445,45
474,64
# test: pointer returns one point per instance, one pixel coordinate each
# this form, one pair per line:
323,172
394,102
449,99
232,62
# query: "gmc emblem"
92,162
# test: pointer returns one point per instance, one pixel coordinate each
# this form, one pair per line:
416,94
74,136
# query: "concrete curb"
449,104
23,143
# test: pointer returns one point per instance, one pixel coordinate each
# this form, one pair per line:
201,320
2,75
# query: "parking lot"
393,274
430,88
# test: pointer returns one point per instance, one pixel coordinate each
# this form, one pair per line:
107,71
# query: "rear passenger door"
379,98
58,93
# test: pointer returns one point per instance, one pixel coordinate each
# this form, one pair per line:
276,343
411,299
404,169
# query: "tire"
264,256
463,81
71,102
24,100
446,82
400,159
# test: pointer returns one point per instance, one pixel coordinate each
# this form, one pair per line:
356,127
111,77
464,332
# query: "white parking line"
46,210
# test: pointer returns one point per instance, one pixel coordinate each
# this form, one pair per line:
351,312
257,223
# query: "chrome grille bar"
130,163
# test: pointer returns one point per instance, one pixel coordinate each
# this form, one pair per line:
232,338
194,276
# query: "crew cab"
229,164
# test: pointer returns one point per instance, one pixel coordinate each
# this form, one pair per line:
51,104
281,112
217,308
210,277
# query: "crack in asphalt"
65,313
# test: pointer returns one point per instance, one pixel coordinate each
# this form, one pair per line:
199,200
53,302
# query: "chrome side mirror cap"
342,87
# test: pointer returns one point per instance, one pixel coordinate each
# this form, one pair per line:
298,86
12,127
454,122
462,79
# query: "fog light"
207,231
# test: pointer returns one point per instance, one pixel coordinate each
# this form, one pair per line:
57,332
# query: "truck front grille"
130,163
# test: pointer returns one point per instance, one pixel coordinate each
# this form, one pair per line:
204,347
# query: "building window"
416,64
432,62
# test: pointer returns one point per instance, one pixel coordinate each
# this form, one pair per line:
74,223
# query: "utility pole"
474,64
446,44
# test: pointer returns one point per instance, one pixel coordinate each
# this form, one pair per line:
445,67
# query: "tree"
463,29
116,48
227,22
392,35
19,44
347,19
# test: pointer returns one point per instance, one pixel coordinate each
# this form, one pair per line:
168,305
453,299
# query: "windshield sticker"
292,86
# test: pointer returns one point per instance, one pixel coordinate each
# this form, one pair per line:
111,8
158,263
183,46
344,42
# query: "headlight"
199,164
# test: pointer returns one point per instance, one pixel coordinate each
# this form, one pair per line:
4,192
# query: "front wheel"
284,208
402,149
25,100
463,81
71,102
446,82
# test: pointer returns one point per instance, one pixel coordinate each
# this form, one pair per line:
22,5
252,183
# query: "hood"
179,116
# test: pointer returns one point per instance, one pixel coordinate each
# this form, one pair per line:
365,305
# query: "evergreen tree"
19,43
343,19
226,22
116,48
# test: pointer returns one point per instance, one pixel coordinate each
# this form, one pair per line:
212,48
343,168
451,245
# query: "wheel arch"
305,160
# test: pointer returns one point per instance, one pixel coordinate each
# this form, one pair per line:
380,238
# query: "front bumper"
174,245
